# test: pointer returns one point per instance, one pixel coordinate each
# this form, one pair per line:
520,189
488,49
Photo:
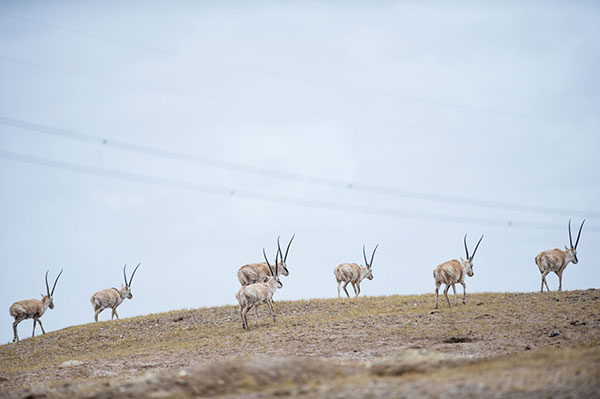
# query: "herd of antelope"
260,281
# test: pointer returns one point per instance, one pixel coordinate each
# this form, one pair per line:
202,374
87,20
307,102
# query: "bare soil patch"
329,348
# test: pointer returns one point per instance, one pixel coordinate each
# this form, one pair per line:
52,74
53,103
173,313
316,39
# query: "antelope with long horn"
258,272
352,273
556,260
112,297
33,309
453,272
253,295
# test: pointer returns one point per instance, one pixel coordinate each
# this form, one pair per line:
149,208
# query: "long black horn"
134,270
55,281
570,239
477,246
47,288
372,256
365,256
279,252
125,274
579,234
288,249
268,264
466,249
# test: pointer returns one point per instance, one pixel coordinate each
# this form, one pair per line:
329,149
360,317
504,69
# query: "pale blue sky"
481,100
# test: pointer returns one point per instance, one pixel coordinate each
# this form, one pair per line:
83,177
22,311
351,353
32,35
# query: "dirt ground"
510,344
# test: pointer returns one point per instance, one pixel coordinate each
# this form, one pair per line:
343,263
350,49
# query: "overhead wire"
290,176
425,130
280,199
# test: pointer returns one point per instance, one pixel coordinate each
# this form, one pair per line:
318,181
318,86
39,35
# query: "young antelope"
253,295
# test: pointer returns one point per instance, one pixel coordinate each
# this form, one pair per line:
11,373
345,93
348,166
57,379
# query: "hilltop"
522,344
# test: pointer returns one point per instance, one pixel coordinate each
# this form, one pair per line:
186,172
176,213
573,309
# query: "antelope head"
572,251
50,294
127,288
274,274
468,263
284,270
368,264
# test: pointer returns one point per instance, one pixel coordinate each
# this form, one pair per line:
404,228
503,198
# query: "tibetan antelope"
556,260
112,297
33,309
253,295
258,272
453,272
354,273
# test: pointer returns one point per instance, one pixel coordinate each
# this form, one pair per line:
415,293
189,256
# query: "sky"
188,137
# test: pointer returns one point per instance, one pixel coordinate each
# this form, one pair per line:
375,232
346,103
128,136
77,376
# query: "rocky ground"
518,345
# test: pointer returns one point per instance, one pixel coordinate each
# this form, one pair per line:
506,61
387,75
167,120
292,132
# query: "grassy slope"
344,331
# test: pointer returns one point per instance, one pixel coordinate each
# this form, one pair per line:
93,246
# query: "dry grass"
357,331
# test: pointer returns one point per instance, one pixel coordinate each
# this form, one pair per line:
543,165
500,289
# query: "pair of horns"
369,264
467,249
128,284
50,293
284,258
578,234
276,262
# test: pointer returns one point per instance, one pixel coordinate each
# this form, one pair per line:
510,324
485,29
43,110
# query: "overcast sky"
345,124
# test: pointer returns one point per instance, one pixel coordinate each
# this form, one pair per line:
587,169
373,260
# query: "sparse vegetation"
500,341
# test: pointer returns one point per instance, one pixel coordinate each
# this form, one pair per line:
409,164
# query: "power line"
278,107
291,176
269,74
307,203
171,155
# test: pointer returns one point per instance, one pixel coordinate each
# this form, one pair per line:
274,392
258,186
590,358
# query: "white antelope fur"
253,295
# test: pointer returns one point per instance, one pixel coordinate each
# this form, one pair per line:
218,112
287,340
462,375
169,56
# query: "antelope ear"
566,247
461,258
42,295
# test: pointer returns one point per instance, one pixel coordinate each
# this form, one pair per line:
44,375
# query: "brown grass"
355,332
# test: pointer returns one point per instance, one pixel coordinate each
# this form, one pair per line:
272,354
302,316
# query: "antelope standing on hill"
253,295
556,260
33,309
258,272
112,297
354,273
453,272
